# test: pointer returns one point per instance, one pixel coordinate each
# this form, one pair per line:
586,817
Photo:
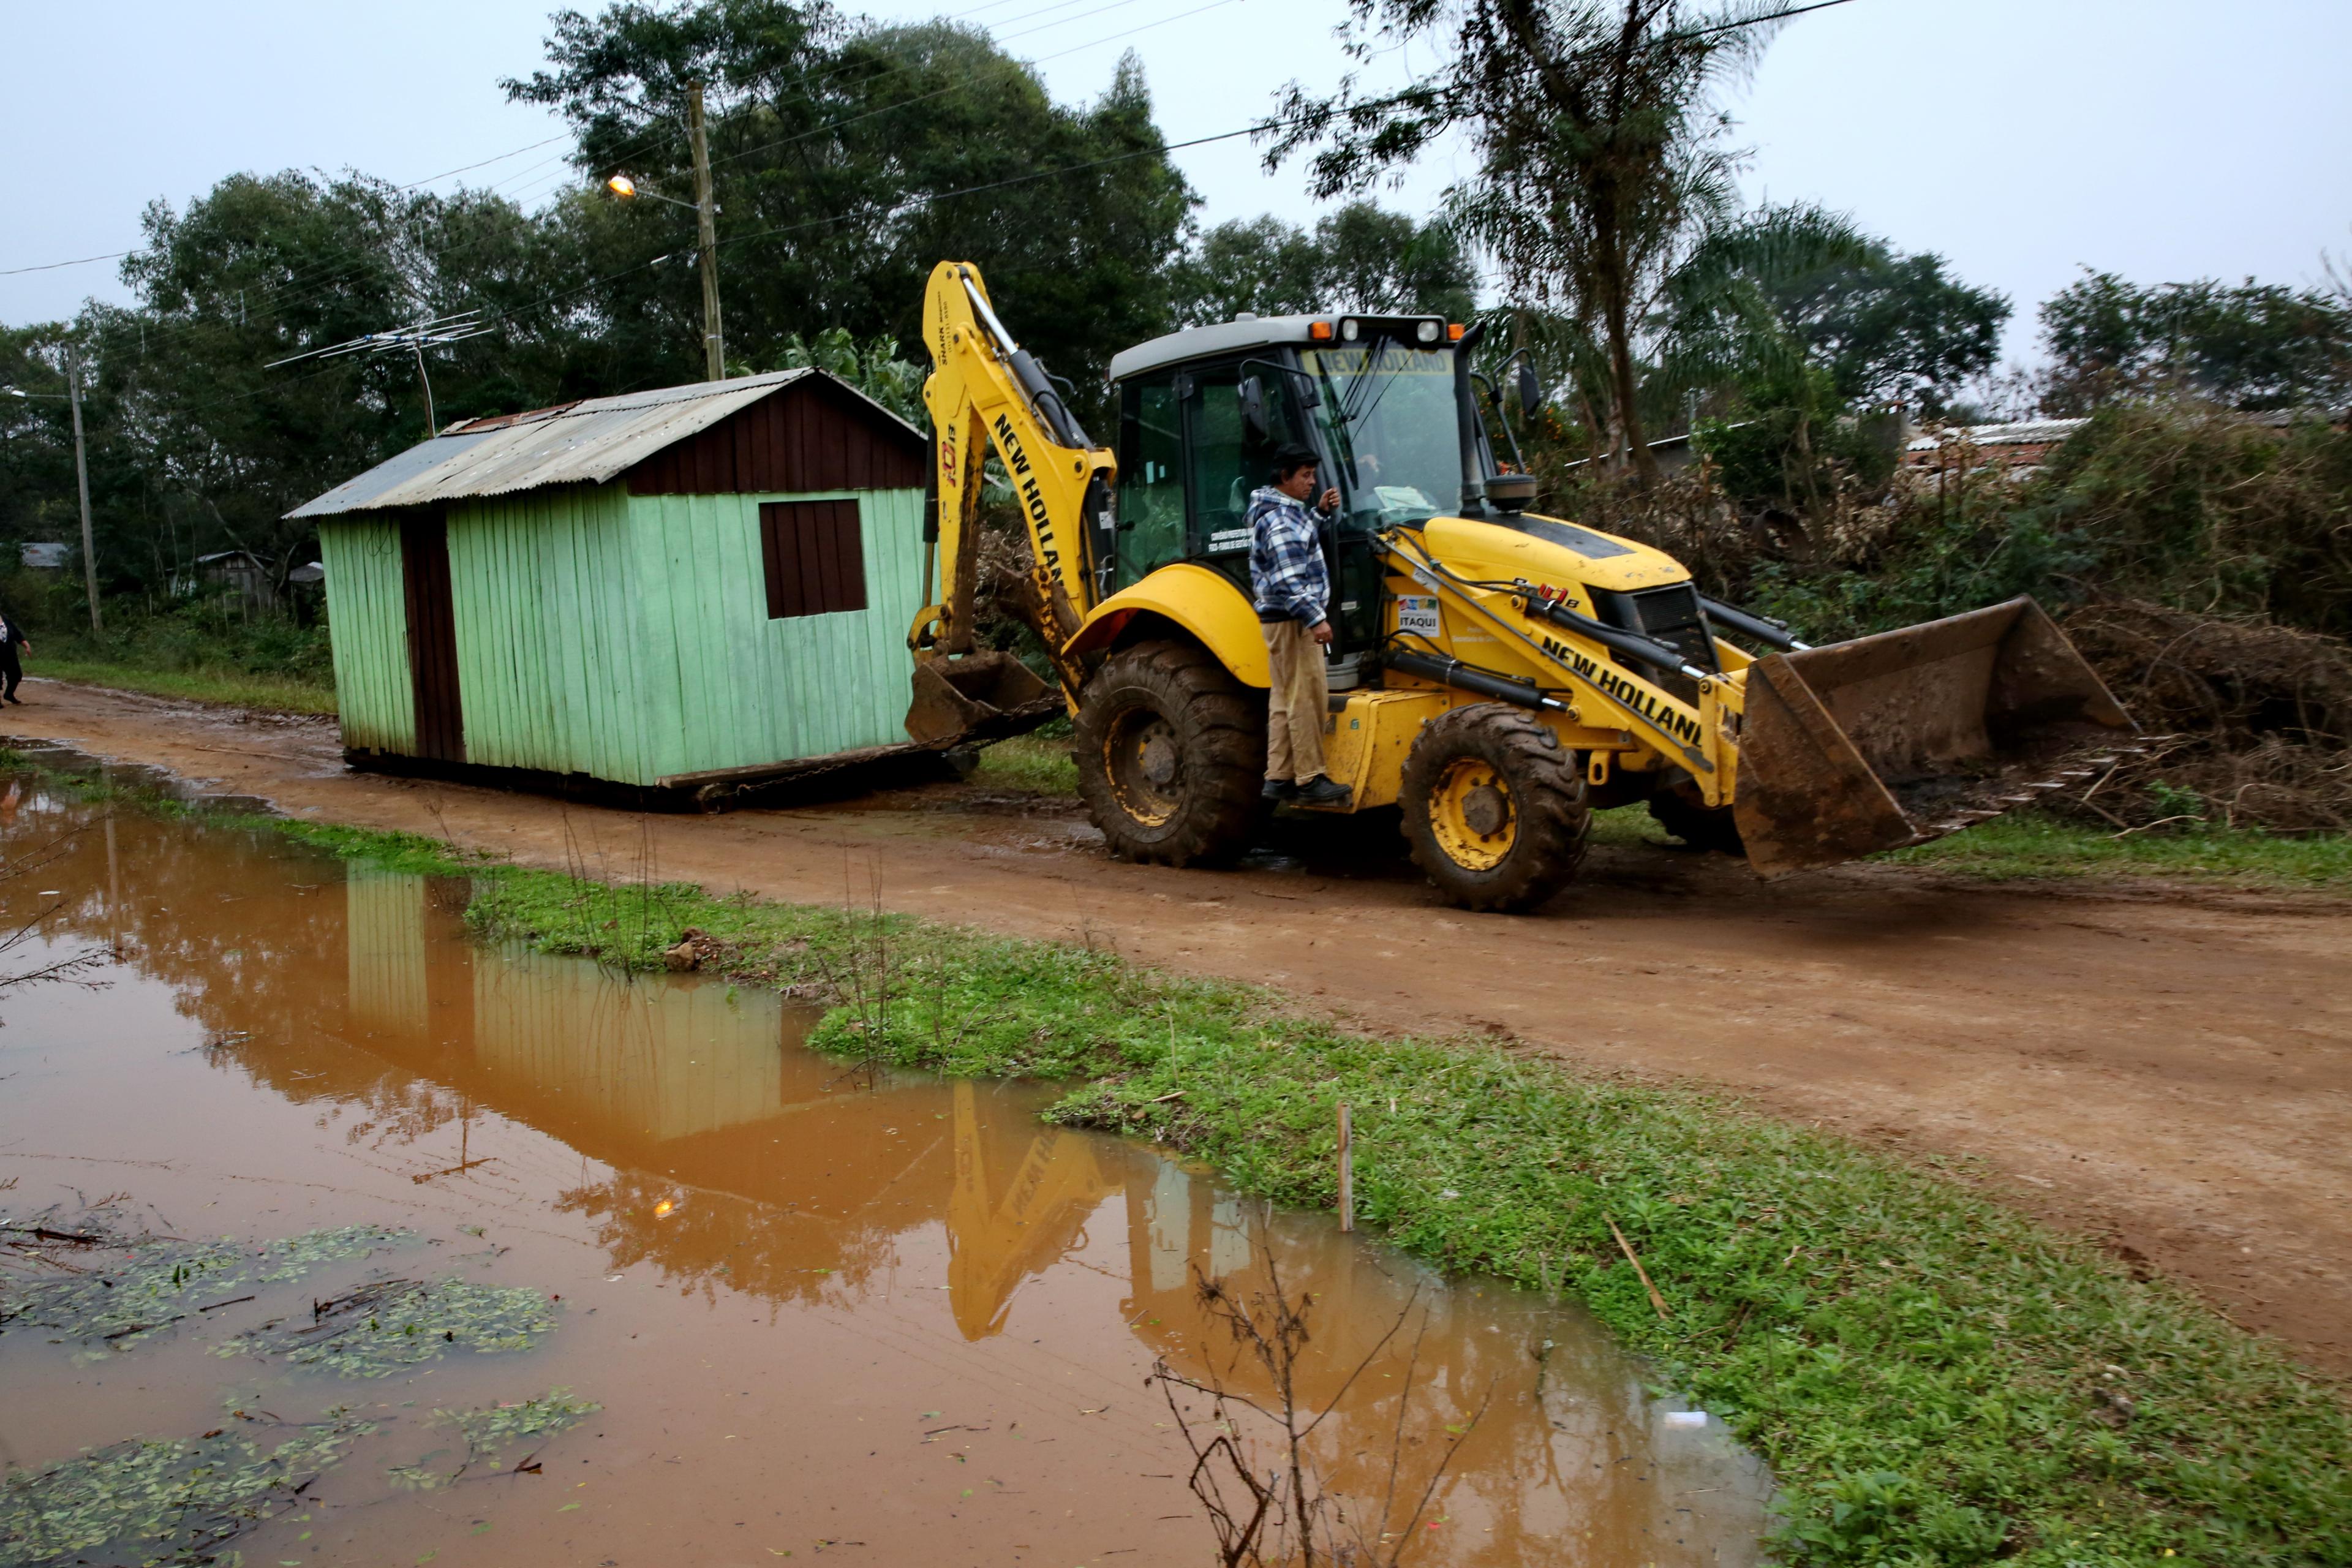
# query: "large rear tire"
1495,808
1171,754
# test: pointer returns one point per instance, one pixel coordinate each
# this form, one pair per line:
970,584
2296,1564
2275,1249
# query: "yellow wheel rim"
1472,815
1145,764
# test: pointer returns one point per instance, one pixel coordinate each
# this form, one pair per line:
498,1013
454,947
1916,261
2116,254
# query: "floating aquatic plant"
380,1328
493,1431
163,1501
493,1428
157,1281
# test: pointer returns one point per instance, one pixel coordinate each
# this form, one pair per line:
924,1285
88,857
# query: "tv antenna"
415,338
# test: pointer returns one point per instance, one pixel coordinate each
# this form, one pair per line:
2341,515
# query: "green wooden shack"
681,593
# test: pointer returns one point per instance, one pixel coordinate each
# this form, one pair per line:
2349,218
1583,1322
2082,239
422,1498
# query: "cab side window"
1227,463
1150,485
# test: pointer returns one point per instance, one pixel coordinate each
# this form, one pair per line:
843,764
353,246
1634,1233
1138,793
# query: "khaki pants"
1294,708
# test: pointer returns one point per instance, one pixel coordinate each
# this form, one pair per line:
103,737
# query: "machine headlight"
1350,330
1426,331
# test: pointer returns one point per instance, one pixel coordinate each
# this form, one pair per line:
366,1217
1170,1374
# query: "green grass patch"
1034,764
2036,844
1934,1378
1626,825
234,688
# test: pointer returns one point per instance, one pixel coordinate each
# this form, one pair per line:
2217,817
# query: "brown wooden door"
432,639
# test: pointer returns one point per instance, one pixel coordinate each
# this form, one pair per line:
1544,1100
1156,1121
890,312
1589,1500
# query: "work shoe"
1320,791
1278,791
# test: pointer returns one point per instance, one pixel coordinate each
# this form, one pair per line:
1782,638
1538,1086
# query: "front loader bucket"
1908,735
979,697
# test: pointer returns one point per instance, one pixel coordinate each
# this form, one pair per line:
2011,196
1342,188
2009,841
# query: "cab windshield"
1388,412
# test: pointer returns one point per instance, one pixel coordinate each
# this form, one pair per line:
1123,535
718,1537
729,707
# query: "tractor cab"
1384,401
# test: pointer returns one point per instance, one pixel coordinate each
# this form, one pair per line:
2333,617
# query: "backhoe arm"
985,390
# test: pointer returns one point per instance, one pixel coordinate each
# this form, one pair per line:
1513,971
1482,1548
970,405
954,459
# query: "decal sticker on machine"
1228,538
1418,613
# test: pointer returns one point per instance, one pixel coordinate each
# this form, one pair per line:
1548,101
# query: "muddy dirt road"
2169,1071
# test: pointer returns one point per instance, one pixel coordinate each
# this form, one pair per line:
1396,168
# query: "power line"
53,266
469,168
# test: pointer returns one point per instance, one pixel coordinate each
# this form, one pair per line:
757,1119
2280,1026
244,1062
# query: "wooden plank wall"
810,435
722,685
542,587
367,622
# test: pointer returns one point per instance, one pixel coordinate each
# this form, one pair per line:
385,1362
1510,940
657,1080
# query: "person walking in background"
1292,590
12,669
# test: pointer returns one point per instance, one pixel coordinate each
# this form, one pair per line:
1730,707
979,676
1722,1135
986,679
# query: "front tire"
1171,754
1495,808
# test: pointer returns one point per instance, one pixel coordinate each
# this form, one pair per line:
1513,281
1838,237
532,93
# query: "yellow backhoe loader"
1496,675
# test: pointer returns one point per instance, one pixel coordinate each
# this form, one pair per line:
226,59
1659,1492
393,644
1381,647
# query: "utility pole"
81,473
714,345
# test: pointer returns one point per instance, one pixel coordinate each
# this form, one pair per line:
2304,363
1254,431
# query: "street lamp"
628,189
706,213
82,476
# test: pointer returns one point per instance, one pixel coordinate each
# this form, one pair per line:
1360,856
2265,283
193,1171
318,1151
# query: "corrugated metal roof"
2025,433
587,442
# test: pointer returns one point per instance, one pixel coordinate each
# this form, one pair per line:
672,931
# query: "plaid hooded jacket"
1287,572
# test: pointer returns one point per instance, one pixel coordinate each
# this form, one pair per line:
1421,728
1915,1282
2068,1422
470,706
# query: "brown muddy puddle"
902,1321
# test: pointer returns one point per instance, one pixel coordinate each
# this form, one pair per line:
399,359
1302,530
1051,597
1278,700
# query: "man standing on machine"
1292,591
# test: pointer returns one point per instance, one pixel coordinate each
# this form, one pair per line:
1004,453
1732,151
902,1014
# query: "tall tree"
1358,258
1798,282
2251,345
1893,328
1602,155
847,159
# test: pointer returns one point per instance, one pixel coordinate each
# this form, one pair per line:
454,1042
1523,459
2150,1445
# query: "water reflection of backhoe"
1011,1220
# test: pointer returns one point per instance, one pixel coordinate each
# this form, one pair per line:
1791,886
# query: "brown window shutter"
813,556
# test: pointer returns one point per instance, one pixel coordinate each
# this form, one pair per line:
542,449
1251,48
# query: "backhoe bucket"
1908,735
979,697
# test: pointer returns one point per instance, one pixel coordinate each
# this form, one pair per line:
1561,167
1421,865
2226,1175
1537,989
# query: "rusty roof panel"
588,442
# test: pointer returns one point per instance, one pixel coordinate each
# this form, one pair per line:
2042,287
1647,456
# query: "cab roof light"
1453,332
1319,330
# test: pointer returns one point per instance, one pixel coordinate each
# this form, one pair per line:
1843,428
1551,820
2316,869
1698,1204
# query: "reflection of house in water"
731,1149
385,912
627,1063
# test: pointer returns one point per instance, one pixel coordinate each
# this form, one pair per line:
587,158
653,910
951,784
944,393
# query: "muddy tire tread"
1555,819
1224,735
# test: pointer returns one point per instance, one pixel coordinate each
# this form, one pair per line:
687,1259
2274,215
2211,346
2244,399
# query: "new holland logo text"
1682,726
1041,520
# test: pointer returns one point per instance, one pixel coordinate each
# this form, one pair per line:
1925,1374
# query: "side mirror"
1251,393
1531,391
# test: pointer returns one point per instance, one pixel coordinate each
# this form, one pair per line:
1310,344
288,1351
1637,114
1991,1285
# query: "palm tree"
1602,159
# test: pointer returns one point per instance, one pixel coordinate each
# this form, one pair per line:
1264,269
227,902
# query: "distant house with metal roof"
2019,444
683,590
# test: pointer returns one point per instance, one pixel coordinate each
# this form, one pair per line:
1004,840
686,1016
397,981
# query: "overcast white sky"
2162,139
